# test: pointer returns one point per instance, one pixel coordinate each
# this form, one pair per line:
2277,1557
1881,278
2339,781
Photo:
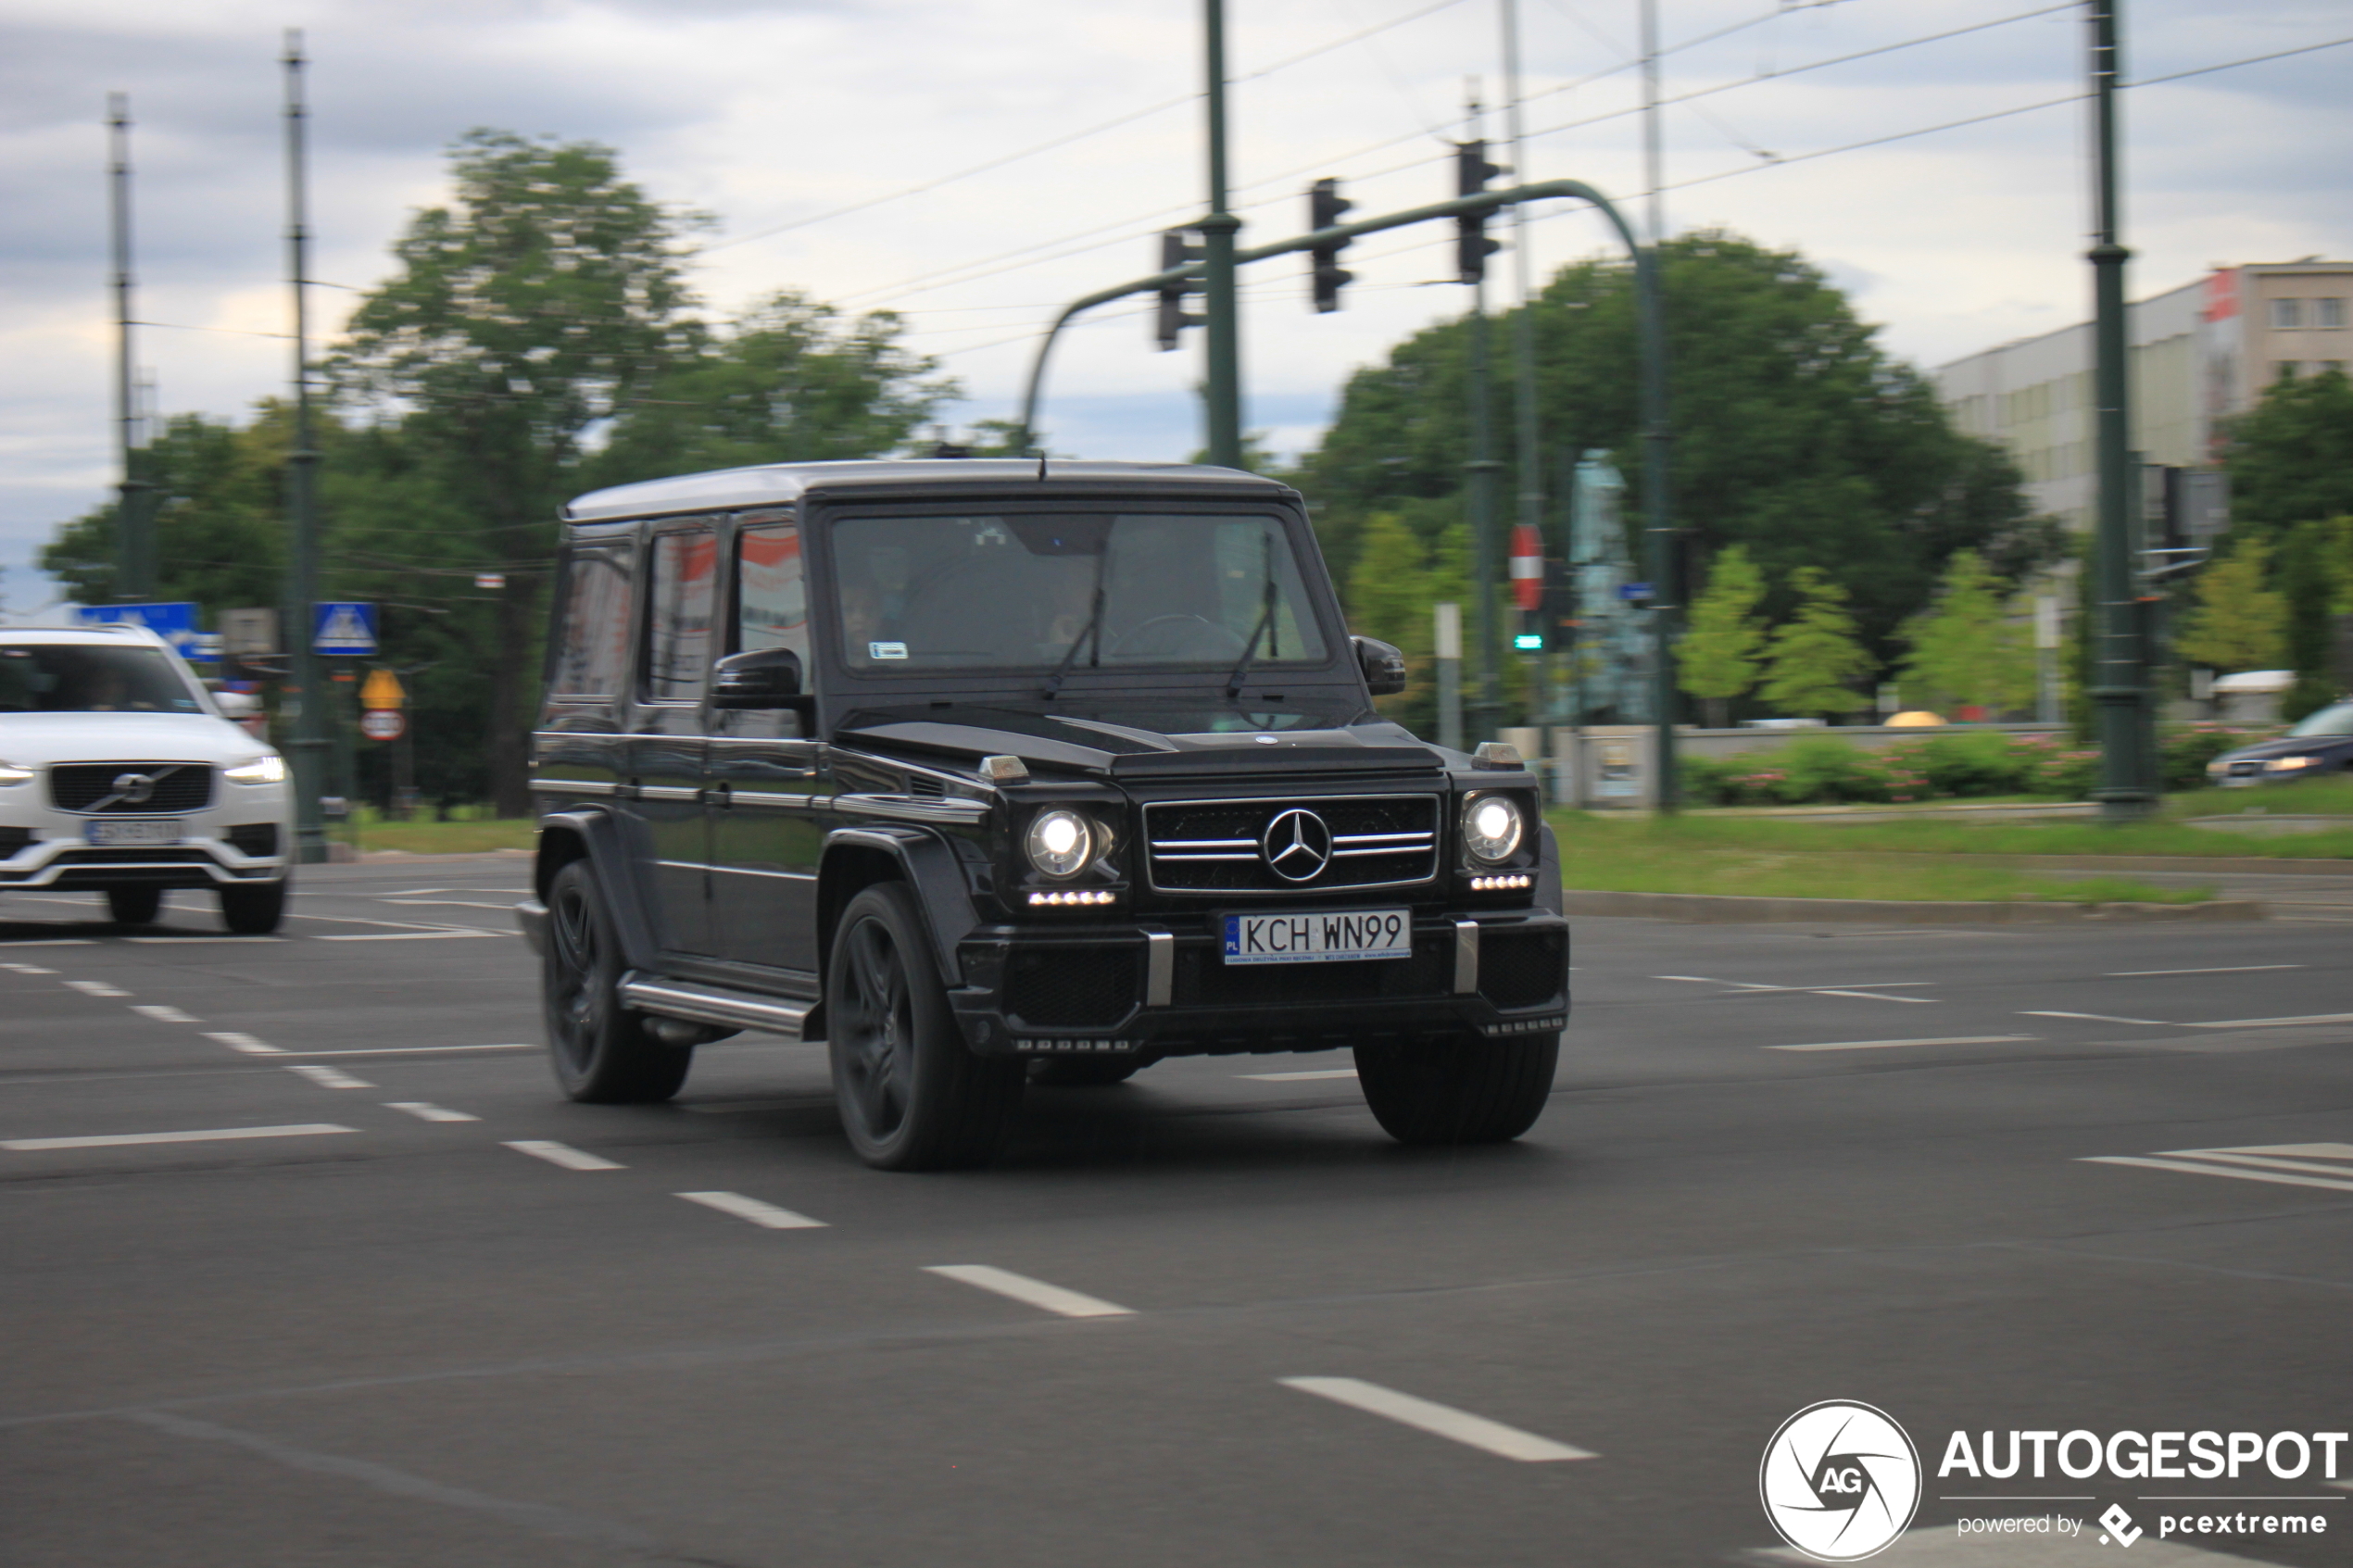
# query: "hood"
34,739
1052,741
2289,746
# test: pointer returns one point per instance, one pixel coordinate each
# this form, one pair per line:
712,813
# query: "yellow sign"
381,690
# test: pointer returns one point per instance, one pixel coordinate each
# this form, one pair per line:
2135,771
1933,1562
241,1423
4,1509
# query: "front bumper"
1164,989
197,861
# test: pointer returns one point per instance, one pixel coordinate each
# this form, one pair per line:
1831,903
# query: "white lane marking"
406,936
97,988
2309,1151
1875,997
53,942
2100,1018
2261,1162
1300,1077
237,1041
1036,1293
1442,1420
1839,989
1880,1045
388,924
210,1134
328,1077
563,1154
2274,1023
413,1050
2219,968
2281,1177
162,1014
399,893
27,969
454,903
192,937
766,1215
424,1110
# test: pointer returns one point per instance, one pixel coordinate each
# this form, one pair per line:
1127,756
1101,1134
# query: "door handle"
721,794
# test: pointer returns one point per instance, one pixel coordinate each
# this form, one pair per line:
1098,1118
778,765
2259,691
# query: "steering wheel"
1183,645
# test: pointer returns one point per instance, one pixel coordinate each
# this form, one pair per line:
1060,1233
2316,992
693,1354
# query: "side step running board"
713,1004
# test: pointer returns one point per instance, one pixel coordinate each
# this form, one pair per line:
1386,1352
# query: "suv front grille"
1224,846
92,787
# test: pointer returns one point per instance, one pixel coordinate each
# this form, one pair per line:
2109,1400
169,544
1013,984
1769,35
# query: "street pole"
308,752
2119,688
134,572
1486,706
1526,434
1664,557
1224,410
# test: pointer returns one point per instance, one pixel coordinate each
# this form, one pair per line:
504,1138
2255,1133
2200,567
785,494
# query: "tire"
1086,1071
254,911
133,906
601,1052
1458,1088
913,1097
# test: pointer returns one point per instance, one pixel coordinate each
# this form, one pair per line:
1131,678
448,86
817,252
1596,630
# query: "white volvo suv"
120,774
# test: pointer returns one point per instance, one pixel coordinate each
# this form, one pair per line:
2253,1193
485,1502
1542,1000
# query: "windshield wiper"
1266,620
1094,629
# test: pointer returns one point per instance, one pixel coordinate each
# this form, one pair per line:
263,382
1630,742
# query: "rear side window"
771,601
592,651
683,577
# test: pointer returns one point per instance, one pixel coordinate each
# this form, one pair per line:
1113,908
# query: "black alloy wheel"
912,1096
1458,1088
601,1052
133,906
255,908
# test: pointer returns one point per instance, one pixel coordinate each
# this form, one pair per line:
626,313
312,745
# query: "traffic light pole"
312,726
1224,410
135,517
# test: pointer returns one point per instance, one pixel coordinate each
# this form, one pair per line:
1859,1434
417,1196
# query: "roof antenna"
1041,465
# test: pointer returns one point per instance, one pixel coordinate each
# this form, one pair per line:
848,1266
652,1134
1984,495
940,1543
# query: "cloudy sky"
972,164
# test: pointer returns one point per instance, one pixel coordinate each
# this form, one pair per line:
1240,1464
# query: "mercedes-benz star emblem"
1297,846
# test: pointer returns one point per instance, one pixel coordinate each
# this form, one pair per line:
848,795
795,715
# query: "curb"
2217,865
1729,910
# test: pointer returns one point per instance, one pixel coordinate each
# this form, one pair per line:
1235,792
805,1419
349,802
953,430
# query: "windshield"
2337,720
1057,591
71,678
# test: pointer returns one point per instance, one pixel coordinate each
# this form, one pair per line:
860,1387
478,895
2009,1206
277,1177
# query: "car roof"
782,483
83,636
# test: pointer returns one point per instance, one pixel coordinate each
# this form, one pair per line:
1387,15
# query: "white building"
2201,353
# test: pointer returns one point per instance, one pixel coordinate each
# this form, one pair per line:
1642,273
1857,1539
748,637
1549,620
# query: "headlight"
1491,827
1060,843
261,770
2289,764
10,774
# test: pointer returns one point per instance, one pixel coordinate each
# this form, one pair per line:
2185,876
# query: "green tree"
2291,458
1968,650
1717,658
545,300
2238,622
1815,656
1392,595
2315,579
1795,434
220,529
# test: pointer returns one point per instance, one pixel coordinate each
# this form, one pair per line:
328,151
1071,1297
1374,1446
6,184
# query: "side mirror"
1384,667
236,705
762,678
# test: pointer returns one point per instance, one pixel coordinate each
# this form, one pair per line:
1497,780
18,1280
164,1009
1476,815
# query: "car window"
1027,592
680,593
592,653
2334,721
69,678
772,600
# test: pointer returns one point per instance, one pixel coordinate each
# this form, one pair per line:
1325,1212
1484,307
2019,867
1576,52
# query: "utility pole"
1526,433
1486,706
1666,584
2120,678
1224,409
311,715
134,573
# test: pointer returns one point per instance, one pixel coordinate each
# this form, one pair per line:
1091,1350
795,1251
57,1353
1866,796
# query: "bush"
1972,762
1826,769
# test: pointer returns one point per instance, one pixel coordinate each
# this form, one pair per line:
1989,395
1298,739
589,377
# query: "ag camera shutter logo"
1840,1481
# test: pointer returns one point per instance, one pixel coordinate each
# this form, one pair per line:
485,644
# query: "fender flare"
601,846
927,863
1548,868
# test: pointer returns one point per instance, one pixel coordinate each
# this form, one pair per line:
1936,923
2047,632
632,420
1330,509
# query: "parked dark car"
985,772
2315,746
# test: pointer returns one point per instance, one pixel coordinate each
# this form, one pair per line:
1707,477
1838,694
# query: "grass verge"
1722,856
2164,835
446,838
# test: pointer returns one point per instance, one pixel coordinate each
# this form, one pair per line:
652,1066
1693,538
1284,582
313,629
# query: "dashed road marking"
424,1110
453,903
414,1051
2098,1018
2218,969
210,1135
563,1154
1885,1045
195,936
27,969
1299,1077
1841,989
53,942
1442,1420
237,1041
2274,1023
163,1014
328,1077
2286,1164
97,988
763,1214
1032,1292
408,935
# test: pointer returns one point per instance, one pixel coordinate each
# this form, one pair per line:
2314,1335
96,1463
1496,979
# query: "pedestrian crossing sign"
345,629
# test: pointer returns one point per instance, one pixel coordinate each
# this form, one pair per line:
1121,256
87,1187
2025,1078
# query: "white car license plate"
1324,936
133,831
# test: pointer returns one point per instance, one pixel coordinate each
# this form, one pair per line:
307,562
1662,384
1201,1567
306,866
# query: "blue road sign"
1631,592
344,628
175,623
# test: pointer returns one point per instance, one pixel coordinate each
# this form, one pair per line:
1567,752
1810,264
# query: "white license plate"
133,832
1322,937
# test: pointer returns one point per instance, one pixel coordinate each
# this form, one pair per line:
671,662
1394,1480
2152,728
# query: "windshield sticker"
886,650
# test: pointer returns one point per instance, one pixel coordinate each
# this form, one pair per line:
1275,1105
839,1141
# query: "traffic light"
1472,248
1170,318
1325,204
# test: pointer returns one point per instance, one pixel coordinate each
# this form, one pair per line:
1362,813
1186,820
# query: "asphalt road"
392,1320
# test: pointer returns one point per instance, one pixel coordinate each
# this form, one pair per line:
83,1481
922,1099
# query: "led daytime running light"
1501,884
1089,896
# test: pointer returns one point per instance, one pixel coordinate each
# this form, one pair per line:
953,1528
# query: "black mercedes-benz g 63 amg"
985,770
